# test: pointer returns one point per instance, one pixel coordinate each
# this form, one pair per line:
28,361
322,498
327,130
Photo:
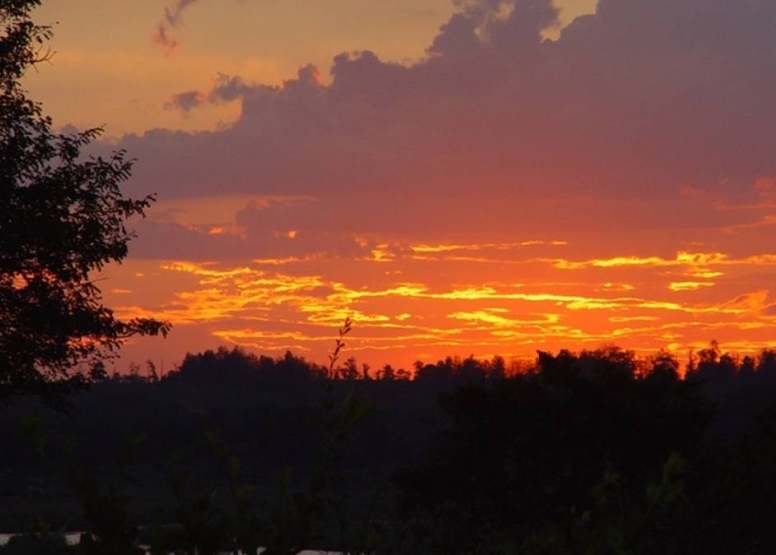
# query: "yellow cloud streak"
689,285
423,248
491,319
255,307
682,259
236,290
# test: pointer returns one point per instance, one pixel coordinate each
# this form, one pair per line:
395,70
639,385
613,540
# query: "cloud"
163,41
497,136
226,88
457,38
266,307
753,302
185,101
505,26
274,230
173,17
639,100
770,310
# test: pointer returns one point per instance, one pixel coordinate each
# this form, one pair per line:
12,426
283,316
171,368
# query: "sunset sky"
477,177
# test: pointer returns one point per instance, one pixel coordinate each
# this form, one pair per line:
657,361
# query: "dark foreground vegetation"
591,452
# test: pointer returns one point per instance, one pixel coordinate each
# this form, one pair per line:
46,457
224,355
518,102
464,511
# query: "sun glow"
413,309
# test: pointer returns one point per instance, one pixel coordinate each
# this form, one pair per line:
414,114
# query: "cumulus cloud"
499,128
457,38
511,27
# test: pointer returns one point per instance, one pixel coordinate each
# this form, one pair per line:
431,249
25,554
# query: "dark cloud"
639,102
520,33
226,89
457,38
274,229
511,27
185,101
173,16
162,40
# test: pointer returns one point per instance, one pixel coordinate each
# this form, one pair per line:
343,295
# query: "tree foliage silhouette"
531,449
62,217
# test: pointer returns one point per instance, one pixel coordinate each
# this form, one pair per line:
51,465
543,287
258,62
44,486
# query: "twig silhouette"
339,345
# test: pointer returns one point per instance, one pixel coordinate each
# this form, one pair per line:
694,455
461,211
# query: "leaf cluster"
62,218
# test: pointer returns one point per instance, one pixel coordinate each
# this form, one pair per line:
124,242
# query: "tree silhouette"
62,217
525,450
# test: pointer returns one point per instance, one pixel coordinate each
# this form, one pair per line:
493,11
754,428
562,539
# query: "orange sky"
486,177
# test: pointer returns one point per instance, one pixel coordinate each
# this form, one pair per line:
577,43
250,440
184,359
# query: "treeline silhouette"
591,452
238,367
